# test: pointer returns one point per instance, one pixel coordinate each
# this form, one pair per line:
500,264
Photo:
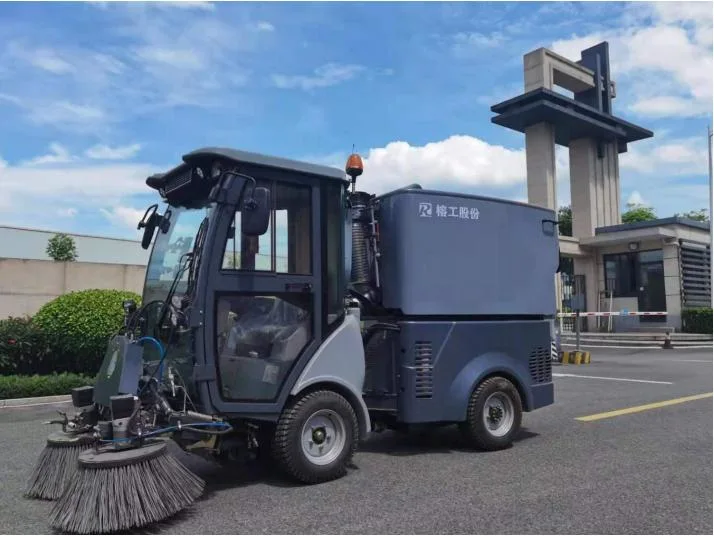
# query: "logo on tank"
457,212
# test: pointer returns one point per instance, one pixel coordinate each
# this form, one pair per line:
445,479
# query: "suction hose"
360,253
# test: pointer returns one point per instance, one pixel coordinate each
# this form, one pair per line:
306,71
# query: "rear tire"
316,437
494,414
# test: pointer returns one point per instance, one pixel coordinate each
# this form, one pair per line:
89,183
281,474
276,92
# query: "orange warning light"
354,165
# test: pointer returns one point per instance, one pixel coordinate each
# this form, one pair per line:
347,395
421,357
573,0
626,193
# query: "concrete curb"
36,401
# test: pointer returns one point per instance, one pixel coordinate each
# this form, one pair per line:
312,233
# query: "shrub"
697,320
79,324
30,386
23,348
61,248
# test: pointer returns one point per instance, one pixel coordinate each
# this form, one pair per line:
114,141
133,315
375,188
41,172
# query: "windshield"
167,257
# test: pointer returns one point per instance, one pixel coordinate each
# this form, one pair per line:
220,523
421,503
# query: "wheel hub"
323,437
495,413
319,435
498,414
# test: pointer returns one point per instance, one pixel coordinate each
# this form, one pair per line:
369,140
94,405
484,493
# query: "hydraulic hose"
191,427
162,353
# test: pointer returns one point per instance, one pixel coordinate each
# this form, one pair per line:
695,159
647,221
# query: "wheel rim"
498,414
323,437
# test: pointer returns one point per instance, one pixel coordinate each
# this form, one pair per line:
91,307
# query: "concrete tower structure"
584,123
640,269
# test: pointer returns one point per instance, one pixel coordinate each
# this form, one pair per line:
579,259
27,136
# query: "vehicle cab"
246,276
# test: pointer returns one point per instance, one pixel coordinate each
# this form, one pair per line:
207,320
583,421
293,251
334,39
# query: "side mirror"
149,222
149,228
255,213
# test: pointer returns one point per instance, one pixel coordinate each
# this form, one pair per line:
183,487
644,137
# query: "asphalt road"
643,472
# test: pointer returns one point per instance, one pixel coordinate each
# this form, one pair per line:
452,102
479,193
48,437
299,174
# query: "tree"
636,213
61,248
565,220
696,215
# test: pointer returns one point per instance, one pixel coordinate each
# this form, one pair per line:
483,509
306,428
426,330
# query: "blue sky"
95,96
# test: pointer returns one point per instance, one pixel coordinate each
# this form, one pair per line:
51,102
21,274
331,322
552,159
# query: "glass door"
265,301
651,296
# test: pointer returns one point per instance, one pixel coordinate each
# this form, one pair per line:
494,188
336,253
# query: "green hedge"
79,324
697,320
30,386
24,348
68,334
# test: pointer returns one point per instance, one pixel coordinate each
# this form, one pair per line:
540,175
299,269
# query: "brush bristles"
101,500
54,469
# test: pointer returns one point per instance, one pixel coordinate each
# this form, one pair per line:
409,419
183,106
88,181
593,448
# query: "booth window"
622,271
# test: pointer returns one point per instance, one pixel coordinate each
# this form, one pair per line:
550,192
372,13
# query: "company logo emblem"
425,210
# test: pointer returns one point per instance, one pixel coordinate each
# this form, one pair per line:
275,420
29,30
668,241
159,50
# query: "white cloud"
465,43
666,64
152,56
669,106
171,57
43,58
265,26
123,216
67,113
200,6
326,75
12,99
459,161
31,188
669,158
636,198
66,212
58,155
104,152
49,61
67,188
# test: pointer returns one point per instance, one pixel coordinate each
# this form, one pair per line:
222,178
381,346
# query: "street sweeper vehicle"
286,313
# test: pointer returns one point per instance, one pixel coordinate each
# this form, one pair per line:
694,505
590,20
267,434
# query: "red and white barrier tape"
616,313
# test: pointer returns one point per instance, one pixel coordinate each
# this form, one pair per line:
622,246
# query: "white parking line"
563,375
586,345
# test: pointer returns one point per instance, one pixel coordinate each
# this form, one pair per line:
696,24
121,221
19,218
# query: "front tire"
494,415
316,437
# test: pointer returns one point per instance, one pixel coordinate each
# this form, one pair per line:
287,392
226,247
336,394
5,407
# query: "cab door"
263,300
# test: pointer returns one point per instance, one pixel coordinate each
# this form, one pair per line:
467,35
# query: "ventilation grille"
423,370
178,182
540,365
695,266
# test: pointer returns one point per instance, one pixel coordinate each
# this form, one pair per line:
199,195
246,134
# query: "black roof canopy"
571,119
257,159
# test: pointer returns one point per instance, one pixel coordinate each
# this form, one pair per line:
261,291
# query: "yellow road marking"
645,407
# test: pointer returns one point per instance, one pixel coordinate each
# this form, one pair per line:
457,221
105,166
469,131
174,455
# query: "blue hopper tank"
454,254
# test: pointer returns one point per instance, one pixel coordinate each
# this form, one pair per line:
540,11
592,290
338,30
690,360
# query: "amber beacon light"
354,168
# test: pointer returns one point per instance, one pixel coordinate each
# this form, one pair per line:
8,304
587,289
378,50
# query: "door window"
258,340
286,246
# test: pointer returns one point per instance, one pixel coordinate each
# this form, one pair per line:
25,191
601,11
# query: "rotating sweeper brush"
114,490
110,468
58,460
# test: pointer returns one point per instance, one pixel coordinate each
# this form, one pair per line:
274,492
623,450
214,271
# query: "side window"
258,339
293,226
286,246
